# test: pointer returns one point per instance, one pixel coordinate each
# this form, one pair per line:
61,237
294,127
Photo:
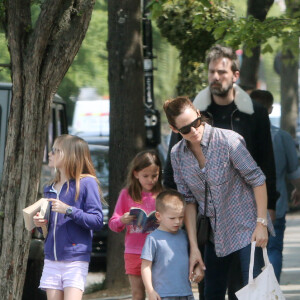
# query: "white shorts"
58,275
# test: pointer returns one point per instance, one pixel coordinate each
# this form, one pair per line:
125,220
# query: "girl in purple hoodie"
75,212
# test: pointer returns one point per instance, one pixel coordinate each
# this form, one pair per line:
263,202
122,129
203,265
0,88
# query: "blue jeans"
217,269
275,246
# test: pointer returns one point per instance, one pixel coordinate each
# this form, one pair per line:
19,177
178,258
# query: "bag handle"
206,184
266,260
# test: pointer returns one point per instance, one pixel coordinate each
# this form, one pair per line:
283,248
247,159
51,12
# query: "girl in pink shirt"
143,184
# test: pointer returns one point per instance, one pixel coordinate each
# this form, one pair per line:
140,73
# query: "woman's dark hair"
174,107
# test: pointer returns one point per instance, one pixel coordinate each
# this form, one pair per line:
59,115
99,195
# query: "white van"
91,114
275,116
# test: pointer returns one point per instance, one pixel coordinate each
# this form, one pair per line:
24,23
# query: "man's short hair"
219,51
169,198
263,97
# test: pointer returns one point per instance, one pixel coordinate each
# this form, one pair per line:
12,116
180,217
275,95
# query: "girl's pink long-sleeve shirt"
134,238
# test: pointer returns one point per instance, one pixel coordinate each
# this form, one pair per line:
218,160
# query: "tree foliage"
187,25
194,25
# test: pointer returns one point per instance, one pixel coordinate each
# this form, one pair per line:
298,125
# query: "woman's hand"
198,274
197,266
38,221
58,206
127,218
260,235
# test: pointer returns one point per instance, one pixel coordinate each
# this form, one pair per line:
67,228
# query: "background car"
99,154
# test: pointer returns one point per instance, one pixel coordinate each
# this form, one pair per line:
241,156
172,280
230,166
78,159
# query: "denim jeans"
217,269
275,246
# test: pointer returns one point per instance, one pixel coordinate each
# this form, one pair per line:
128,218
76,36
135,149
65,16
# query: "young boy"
165,257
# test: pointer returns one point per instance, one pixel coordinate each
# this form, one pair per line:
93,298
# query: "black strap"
206,184
205,202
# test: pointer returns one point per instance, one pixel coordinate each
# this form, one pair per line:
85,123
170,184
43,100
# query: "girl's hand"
58,206
196,264
127,218
260,235
38,221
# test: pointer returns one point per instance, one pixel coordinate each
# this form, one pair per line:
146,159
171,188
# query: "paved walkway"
290,277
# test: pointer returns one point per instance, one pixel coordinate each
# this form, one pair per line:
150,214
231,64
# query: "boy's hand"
153,295
197,274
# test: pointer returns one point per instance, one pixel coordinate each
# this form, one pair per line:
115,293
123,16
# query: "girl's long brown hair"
141,161
76,160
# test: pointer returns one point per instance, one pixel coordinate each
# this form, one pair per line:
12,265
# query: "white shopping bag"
265,286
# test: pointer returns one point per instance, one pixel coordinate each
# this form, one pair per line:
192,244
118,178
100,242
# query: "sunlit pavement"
290,277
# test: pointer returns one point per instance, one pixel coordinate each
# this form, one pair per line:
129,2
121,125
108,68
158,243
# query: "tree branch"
47,20
66,42
5,66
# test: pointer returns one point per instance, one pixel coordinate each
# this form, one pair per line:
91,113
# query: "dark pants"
275,246
217,270
235,280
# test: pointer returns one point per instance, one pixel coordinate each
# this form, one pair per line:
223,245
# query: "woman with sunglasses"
236,197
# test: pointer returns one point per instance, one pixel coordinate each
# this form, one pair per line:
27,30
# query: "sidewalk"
290,277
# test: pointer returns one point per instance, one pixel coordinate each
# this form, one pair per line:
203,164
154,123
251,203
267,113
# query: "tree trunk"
289,79
40,57
250,65
289,91
127,130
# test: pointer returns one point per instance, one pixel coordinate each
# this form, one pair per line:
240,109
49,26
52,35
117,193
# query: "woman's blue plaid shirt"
231,174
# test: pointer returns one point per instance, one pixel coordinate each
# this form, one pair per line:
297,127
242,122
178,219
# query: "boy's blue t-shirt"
170,262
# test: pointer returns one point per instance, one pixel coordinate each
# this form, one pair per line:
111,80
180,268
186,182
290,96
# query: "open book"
147,222
43,207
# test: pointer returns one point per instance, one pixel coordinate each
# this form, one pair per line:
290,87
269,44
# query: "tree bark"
40,57
127,130
289,79
289,93
250,65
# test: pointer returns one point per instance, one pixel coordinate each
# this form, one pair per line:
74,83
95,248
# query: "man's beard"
219,90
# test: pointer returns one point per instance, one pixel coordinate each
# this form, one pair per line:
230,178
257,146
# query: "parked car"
99,154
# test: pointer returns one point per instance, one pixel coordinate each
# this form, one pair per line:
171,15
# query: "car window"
100,161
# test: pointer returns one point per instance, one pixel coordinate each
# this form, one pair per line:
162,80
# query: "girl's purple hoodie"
70,237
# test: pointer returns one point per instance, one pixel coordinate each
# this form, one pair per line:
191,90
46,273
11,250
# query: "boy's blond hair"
169,199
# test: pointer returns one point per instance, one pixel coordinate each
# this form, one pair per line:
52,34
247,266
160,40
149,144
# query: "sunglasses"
187,129
54,150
